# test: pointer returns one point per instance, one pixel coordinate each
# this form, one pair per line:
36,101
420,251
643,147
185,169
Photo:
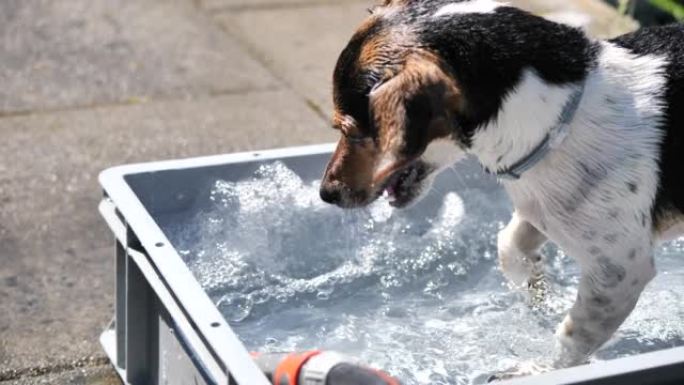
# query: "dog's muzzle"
406,184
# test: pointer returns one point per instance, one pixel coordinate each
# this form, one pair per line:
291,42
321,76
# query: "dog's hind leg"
608,292
518,246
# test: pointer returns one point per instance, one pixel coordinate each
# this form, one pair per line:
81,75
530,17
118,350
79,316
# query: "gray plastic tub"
166,328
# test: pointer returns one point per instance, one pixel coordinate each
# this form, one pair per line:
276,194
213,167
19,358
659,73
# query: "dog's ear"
414,106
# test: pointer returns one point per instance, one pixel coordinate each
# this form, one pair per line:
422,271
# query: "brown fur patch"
346,124
421,71
348,168
382,174
386,50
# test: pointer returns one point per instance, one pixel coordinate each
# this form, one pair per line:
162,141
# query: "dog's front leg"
518,247
608,291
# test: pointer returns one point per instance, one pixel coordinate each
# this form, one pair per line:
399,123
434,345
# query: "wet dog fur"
423,83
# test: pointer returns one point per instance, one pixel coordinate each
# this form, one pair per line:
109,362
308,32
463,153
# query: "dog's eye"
357,139
349,129
352,137
360,141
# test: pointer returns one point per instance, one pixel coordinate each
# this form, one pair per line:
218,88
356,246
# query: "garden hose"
318,368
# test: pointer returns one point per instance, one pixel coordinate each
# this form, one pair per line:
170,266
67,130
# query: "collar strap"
553,139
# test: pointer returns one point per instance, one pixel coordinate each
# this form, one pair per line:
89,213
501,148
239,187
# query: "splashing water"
419,296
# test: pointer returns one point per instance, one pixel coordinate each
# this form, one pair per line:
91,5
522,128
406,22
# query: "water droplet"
323,296
235,307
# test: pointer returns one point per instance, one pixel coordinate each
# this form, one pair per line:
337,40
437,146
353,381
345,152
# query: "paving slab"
300,44
595,16
57,274
58,308
222,4
58,54
98,375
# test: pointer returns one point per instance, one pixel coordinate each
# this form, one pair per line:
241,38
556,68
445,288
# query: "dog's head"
395,107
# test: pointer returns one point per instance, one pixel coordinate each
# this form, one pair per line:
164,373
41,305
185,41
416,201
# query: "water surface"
417,293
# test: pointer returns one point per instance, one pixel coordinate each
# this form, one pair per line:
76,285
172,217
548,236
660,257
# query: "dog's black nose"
331,194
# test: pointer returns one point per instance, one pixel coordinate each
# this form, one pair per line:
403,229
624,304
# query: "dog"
586,136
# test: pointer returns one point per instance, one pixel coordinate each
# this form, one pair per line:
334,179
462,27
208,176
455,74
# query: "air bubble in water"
323,295
235,307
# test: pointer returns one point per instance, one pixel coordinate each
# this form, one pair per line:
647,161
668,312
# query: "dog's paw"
522,369
570,351
515,266
521,269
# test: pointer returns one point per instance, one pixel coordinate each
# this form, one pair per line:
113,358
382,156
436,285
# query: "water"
415,293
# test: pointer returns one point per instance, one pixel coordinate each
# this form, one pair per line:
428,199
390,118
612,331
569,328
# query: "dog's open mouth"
405,184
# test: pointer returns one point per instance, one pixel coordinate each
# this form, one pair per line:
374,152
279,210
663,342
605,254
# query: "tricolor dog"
586,136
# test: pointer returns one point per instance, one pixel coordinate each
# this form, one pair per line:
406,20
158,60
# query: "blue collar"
552,140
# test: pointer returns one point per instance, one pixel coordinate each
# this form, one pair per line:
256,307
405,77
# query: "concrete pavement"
88,84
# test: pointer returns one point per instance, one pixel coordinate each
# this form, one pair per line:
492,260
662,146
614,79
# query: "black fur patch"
488,53
632,254
666,41
421,109
610,275
611,238
633,188
600,300
351,84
